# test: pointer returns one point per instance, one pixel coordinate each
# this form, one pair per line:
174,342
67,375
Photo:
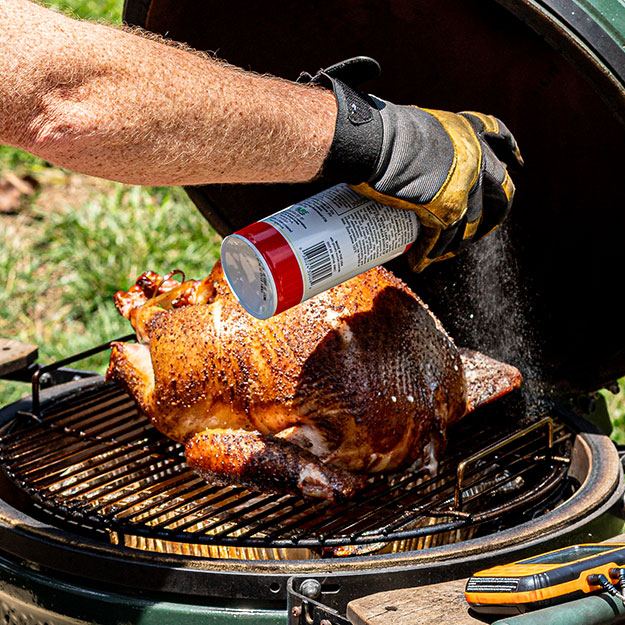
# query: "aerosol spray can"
311,246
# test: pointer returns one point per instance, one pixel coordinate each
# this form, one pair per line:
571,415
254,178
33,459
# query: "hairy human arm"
114,104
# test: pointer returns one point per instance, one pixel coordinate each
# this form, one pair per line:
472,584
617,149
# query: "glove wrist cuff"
358,133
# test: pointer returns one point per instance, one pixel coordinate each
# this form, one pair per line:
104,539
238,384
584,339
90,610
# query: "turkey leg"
267,463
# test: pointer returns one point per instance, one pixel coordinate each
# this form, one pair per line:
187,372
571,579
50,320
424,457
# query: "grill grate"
94,461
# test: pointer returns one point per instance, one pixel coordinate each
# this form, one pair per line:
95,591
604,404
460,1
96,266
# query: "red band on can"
280,259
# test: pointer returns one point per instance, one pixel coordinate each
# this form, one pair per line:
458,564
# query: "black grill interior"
455,55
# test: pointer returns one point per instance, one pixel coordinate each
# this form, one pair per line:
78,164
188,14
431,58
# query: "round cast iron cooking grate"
94,462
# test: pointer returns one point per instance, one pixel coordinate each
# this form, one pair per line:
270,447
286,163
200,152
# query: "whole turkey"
358,380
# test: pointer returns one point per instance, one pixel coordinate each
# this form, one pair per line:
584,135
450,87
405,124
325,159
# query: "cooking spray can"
306,248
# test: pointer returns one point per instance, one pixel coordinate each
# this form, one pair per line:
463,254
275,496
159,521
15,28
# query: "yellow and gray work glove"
447,167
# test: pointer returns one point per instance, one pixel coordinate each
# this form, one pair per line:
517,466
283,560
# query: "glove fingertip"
508,137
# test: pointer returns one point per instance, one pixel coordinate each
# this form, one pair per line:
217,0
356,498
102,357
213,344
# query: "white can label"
338,234
311,246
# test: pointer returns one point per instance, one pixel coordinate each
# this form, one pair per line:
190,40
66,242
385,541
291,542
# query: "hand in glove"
444,166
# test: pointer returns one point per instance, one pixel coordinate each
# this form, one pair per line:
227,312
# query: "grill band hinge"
304,607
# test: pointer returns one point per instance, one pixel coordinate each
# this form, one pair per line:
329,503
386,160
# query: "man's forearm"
117,105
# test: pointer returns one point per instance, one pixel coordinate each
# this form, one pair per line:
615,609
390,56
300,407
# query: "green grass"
616,408
112,240
101,10
61,278
18,161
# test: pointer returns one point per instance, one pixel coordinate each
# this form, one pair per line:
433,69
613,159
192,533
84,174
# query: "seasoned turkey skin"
359,379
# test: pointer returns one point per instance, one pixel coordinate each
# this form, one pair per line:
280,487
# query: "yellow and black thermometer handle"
547,579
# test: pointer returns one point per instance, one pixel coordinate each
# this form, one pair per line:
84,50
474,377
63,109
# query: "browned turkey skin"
357,380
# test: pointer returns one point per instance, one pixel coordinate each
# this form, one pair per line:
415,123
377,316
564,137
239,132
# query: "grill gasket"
78,430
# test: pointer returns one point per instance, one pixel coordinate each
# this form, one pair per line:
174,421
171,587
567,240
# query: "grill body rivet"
310,588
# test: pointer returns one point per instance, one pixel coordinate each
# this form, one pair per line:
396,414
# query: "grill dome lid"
540,294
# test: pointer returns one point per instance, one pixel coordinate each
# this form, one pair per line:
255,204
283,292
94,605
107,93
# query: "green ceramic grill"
101,521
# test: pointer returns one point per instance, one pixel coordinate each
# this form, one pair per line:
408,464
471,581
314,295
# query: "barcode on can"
318,263
264,287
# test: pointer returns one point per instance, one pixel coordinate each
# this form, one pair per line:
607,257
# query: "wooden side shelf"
15,356
425,605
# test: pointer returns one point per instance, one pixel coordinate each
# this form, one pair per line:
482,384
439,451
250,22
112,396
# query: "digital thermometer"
547,579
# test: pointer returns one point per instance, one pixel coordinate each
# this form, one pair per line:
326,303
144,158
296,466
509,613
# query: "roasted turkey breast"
359,379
